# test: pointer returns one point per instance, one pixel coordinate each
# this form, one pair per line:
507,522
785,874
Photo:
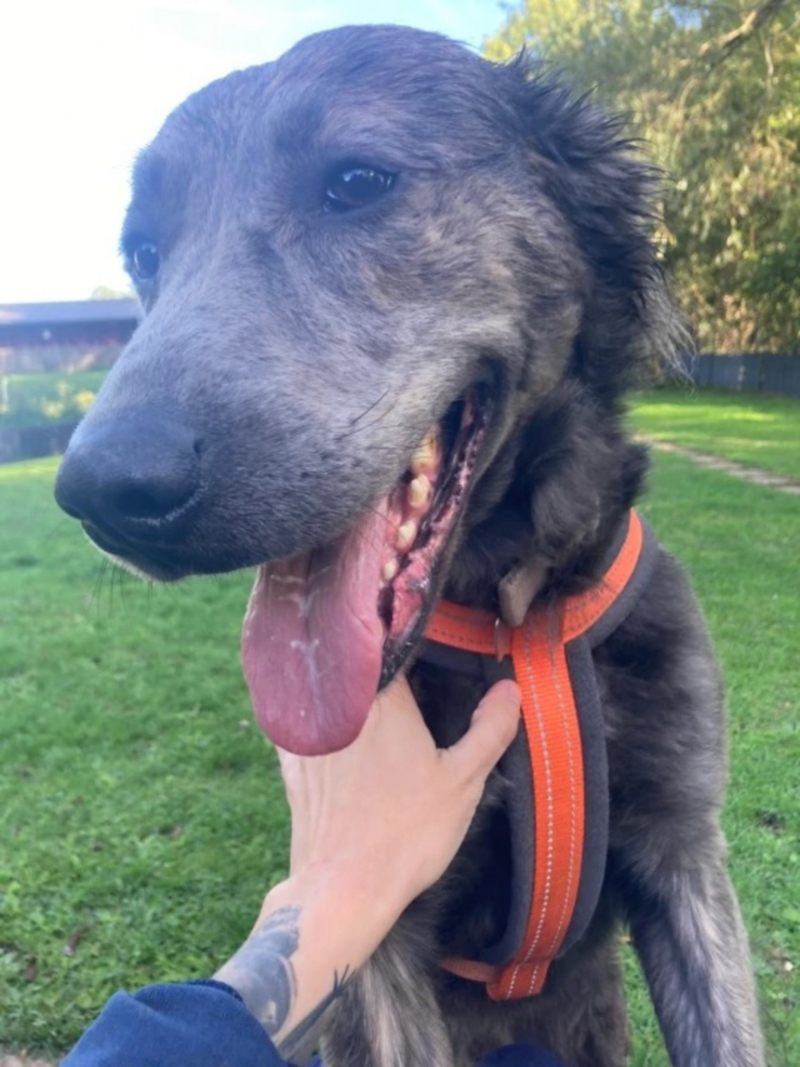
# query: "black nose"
133,477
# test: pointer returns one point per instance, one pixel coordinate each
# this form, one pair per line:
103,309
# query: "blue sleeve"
192,1024
205,1024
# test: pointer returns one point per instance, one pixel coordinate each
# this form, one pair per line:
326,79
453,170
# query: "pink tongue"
312,642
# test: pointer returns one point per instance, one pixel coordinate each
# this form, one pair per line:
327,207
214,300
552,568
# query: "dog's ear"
586,164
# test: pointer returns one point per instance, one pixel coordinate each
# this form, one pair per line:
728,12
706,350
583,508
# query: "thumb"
494,726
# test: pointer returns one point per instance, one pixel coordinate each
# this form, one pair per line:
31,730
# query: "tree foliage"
105,292
715,90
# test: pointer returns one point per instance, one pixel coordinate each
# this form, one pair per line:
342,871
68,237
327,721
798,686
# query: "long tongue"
312,642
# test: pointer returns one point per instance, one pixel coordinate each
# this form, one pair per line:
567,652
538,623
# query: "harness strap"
473,630
561,750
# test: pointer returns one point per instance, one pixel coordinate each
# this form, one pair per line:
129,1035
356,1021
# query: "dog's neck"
574,477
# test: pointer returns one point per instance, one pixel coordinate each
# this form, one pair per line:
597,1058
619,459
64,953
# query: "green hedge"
30,400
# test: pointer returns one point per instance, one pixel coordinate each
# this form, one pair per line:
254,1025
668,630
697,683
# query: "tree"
715,89
105,292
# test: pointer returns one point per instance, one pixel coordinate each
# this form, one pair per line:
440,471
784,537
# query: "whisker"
101,572
373,422
372,406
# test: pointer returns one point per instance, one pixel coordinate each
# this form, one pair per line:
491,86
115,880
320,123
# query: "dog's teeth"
390,570
406,535
425,456
418,491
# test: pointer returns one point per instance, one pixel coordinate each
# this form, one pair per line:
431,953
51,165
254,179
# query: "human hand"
372,827
391,810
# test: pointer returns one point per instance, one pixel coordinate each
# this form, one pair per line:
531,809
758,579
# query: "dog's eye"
146,260
357,187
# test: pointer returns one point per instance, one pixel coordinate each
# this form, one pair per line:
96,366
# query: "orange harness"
559,806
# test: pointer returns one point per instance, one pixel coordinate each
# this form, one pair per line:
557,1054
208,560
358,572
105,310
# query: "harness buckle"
502,639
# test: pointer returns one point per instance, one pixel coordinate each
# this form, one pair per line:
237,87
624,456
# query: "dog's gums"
422,510
325,629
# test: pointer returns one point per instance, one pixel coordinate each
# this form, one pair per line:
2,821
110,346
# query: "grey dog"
376,241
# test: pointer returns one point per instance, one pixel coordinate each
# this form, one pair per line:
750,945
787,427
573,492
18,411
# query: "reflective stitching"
473,630
556,939
531,680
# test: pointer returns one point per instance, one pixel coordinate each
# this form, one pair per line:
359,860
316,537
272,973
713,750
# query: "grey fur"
391,1009
290,362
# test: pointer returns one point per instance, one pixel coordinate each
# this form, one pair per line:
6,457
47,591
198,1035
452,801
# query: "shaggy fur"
291,360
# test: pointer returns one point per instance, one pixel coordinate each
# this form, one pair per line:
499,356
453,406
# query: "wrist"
314,930
355,912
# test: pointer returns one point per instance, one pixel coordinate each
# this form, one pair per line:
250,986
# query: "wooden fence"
752,372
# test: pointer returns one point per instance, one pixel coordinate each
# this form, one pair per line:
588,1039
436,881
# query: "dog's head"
366,267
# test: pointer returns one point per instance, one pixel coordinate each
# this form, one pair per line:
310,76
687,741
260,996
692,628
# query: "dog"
394,297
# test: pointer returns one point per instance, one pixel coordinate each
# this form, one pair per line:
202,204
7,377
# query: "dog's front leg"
388,1015
690,938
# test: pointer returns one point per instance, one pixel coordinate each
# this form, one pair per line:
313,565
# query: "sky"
84,84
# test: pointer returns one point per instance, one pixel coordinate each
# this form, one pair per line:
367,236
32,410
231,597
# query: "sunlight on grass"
31,468
705,411
755,429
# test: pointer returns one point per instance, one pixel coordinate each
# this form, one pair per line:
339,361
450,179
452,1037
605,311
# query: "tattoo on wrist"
262,972
294,1041
263,975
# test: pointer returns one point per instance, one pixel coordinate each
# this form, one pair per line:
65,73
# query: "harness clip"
502,639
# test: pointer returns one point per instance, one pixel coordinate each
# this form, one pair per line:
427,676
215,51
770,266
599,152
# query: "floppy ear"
576,472
591,170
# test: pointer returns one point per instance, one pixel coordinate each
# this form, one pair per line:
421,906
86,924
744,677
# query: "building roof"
72,312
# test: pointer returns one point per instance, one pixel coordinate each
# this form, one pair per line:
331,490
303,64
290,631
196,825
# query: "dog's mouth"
323,631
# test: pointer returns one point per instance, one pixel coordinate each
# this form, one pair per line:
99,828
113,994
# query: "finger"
494,726
397,695
292,772
397,703
286,759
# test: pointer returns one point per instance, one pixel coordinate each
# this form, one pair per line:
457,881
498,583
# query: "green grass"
748,582
142,812
142,820
45,399
763,431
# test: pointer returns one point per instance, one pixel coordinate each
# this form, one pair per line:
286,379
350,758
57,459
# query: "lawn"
748,583
143,815
763,431
142,812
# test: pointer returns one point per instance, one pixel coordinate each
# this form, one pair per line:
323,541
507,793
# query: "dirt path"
756,475
8,1059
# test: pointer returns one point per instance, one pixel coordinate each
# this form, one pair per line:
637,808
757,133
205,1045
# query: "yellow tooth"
418,491
406,535
425,456
390,569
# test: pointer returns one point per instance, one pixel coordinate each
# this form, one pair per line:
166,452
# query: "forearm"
312,934
372,827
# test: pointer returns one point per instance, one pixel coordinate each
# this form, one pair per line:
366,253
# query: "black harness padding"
516,763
